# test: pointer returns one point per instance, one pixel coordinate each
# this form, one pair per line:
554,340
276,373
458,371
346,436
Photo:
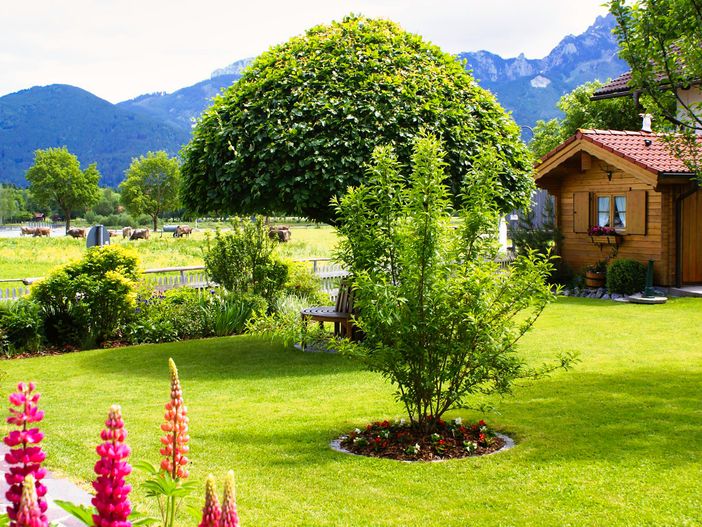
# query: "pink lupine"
229,517
111,502
29,514
25,455
176,428
211,512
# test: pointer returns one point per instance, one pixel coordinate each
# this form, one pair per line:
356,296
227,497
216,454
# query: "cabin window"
611,211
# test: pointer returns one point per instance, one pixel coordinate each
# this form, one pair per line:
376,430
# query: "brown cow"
127,232
28,231
42,231
140,234
76,232
114,233
182,230
281,233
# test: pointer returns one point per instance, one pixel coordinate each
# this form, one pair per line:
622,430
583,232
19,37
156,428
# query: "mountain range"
112,134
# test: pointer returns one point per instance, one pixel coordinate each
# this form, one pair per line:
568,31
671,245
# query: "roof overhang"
576,145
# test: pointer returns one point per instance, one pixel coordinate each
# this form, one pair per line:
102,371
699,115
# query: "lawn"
615,441
32,257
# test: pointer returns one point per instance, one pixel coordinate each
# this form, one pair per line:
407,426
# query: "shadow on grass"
241,357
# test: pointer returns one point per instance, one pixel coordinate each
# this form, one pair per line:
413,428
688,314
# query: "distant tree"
11,203
151,185
662,42
299,125
108,203
56,180
581,112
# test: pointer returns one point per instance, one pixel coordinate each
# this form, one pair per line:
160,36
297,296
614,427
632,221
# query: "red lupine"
25,460
229,518
111,502
176,428
211,512
29,514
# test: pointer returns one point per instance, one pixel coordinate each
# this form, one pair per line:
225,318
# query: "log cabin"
630,182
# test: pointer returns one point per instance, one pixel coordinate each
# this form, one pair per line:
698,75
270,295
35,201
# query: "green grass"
616,441
26,257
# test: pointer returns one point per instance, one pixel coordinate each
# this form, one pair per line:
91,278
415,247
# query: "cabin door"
691,231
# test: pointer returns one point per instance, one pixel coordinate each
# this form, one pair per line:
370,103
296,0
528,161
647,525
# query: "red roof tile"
614,88
642,148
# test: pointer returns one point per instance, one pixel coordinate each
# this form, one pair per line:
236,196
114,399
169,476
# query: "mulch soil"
405,442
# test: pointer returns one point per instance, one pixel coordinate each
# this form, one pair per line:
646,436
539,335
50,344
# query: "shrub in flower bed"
407,442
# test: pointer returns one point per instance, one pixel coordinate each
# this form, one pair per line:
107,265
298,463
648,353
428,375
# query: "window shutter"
581,211
636,212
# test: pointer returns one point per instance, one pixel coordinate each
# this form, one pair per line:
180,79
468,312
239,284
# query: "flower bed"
402,441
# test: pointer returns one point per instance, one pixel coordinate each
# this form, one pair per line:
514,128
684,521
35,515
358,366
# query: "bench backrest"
344,300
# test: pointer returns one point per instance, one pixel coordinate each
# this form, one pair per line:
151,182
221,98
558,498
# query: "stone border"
509,443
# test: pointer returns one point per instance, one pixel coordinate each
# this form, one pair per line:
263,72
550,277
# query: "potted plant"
604,235
596,274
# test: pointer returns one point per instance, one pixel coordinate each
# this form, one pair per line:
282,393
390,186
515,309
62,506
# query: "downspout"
678,231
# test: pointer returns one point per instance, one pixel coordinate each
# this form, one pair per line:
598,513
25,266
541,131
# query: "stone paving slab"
56,489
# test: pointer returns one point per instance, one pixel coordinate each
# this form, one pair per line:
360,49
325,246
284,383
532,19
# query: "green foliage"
168,491
13,204
56,180
582,112
151,185
108,202
295,130
241,260
302,283
226,313
86,302
21,326
626,276
440,320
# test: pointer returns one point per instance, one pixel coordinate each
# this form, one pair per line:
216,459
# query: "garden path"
57,489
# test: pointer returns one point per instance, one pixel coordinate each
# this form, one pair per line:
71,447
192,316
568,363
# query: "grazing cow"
140,234
113,233
281,233
28,231
127,232
42,231
182,230
76,232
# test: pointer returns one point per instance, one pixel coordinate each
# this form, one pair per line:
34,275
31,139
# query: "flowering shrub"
25,455
401,440
176,427
596,230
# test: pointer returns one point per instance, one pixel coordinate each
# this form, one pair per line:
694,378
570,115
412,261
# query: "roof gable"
642,154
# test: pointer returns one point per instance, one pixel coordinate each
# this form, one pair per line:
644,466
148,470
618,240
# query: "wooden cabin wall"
658,244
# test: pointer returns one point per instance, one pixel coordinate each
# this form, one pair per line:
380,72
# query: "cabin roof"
645,149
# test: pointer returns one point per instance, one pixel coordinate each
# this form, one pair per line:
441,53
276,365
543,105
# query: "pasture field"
616,441
26,257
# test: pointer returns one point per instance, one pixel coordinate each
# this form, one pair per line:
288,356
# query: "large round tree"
301,123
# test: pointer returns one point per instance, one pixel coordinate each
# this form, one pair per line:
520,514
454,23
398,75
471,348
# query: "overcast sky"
120,49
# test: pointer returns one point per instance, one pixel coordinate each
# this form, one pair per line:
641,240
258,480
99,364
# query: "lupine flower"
110,499
211,512
176,428
24,460
229,516
29,513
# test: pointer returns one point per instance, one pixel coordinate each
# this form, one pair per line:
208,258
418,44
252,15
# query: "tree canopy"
151,185
56,180
299,126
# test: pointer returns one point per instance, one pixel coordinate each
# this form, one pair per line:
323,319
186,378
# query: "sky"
118,49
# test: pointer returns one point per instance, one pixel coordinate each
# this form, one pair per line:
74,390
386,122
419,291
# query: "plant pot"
593,279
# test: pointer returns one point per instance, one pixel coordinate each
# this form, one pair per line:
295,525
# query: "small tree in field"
56,180
151,185
441,319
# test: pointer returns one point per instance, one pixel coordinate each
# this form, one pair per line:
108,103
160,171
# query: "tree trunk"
155,218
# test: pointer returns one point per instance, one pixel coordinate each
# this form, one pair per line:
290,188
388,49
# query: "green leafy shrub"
626,276
242,260
226,313
87,302
21,327
441,322
165,316
304,284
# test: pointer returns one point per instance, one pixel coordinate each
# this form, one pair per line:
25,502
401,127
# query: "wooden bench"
340,314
